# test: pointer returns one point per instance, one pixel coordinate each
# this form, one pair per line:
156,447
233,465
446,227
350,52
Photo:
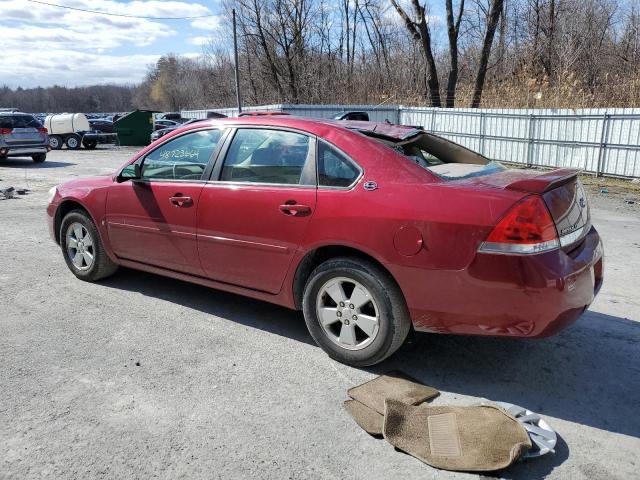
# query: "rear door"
253,215
153,220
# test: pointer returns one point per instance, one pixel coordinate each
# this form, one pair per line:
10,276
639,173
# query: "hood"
85,184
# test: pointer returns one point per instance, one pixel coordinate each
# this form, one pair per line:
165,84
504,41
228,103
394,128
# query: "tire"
73,141
89,144
39,158
375,341
55,142
101,265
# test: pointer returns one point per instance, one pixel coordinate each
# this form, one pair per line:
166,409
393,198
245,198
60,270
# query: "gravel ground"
141,376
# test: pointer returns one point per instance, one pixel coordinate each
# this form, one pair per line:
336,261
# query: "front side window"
334,168
183,158
268,156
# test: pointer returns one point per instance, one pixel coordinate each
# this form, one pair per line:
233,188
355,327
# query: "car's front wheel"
39,158
82,248
355,311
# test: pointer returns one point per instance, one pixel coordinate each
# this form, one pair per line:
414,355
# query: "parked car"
22,135
101,125
174,116
370,229
362,116
160,124
163,131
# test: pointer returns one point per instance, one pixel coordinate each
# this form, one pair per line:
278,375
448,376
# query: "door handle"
180,201
294,209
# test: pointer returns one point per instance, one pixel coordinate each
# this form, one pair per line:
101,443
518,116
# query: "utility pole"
235,57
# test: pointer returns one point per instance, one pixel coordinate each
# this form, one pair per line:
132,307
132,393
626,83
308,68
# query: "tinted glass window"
183,158
19,121
267,156
334,169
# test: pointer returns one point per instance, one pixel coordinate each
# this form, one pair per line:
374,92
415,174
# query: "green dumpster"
135,128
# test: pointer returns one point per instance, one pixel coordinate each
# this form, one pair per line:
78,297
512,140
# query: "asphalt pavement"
140,376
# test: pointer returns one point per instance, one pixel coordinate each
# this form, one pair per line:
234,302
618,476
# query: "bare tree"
453,32
492,24
419,30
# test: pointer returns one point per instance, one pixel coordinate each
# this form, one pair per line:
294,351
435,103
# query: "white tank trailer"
72,130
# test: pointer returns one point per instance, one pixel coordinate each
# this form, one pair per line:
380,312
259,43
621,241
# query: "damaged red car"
370,229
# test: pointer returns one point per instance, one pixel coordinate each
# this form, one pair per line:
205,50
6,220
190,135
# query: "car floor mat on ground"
477,438
368,419
393,385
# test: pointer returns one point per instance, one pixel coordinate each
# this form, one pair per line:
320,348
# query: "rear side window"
19,121
334,168
268,156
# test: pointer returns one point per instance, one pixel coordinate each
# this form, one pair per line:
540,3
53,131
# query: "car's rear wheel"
39,158
89,144
55,142
73,141
82,248
355,311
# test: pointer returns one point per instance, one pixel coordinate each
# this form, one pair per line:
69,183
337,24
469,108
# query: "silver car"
22,135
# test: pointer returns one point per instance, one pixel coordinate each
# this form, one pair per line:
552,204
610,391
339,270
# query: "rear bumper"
25,151
519,296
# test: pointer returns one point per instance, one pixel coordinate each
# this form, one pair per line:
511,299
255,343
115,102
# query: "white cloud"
211,24
198,41
43,45
27,11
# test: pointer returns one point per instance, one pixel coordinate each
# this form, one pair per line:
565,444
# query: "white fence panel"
376,113
598,140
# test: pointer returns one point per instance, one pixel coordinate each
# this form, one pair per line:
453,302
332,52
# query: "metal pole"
235,58
530,134
602,151
482,132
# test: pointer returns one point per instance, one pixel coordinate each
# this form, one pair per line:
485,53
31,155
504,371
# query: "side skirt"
205,282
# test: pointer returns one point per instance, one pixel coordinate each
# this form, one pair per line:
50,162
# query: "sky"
44,45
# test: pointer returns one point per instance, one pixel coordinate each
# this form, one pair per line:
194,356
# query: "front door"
153,220
253,216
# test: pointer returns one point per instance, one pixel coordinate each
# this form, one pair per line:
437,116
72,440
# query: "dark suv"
22,135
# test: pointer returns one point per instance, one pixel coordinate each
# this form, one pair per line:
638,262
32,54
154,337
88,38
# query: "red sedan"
370,229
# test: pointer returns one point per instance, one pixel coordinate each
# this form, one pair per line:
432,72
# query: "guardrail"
599,141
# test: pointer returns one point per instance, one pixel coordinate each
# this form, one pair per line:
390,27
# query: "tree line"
464,53
98,98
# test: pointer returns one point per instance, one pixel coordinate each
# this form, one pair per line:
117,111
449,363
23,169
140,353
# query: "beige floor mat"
393,385
478,438
368,419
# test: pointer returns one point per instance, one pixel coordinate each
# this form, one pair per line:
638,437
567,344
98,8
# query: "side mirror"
130,172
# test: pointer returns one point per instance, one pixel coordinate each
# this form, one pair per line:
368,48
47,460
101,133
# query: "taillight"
43,130
5,131
526,228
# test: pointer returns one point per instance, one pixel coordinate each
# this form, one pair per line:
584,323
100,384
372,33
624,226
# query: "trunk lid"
25,136
561,191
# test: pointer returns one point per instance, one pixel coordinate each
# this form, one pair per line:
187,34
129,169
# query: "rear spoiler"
545,182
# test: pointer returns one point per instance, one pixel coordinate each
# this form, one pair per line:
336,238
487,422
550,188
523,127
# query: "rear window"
444,158
19,121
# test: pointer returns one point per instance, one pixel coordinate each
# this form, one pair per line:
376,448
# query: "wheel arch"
63,209
321,254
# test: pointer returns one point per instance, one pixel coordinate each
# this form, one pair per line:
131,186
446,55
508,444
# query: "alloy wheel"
80,249
348,313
